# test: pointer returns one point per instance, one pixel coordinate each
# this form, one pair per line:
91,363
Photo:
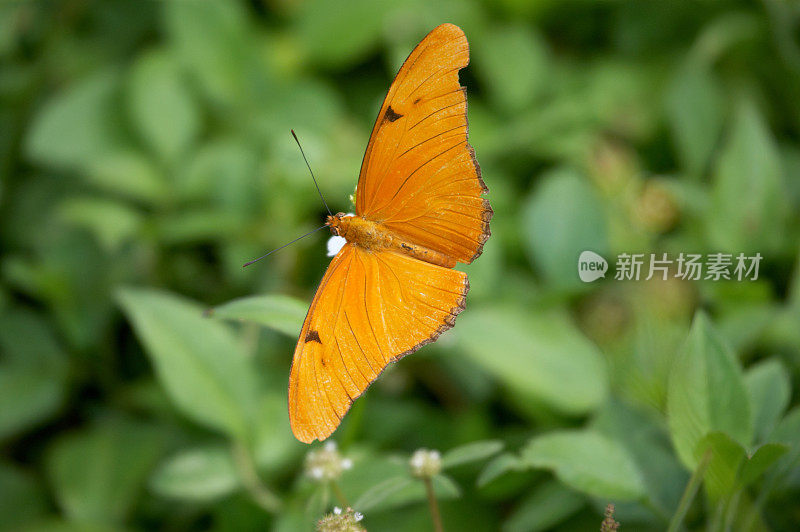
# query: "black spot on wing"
313,336
390,115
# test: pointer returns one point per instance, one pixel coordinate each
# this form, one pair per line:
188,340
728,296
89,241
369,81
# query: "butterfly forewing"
419,177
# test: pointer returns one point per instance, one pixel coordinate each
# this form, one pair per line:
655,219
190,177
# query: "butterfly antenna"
312,173
283,246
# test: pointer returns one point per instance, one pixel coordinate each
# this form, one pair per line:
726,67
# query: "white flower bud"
425,463
326,464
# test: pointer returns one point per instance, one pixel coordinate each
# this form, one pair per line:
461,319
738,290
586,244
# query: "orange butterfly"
391,289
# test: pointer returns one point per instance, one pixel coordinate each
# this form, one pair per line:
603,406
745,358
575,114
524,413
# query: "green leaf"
129,174
274,444
10,16
382,491
401,490
203,368
58,525
588,462
562,218
97,473
471,452
788,429
731,468
338,34
160,105
77,125
281,313
200,474
545,508
706,393
111,222
379,483
28,398
499,466
748,204
788,432
33,372
514,65
225,172
768,385
642,434
399,493
445,487
536,355
762,459
315,111
23,498
726,456
213,41
192,226
694,107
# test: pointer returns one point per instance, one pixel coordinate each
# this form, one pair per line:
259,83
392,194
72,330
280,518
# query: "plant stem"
337,491
435,515
262,495
657,511
689,493
732,509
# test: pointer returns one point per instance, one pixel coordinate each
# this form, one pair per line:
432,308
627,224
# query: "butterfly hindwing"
372,308
419,177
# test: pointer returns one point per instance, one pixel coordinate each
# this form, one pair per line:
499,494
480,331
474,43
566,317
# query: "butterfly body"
392,289
372,236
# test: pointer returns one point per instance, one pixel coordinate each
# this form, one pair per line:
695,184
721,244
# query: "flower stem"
435,515
689,493
262,495
337,491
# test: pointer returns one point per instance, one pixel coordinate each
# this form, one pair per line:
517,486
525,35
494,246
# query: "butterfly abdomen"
424,254
371,235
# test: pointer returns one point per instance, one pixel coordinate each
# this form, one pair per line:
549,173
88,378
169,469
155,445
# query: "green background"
145,155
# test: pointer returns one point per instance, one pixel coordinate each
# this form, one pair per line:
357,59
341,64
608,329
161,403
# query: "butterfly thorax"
374,236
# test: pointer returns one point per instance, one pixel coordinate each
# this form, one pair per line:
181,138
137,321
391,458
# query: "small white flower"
325,463
425,463
335,244
341,521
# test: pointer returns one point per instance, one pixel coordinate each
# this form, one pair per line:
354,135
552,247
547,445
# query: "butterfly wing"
419,176
371,308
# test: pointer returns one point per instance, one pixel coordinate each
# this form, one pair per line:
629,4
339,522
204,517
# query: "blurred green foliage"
145,155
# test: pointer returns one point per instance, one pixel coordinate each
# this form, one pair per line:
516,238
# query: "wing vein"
366,312
421,120
417,145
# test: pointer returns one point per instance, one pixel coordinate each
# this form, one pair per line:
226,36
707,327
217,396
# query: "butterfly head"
335,222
